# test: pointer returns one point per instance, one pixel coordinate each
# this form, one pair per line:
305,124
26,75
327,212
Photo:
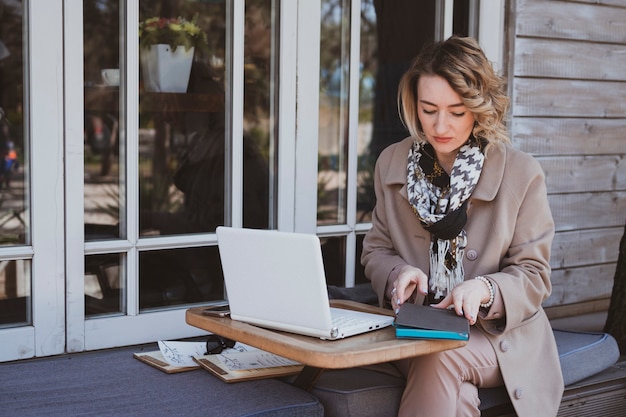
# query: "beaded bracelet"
491,291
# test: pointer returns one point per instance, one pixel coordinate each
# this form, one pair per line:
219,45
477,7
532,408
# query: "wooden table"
366,349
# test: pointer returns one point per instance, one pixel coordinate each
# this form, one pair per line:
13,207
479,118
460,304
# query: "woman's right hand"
410,279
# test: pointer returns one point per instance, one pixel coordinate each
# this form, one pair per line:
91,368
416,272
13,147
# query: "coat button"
504,346
472,255
518,393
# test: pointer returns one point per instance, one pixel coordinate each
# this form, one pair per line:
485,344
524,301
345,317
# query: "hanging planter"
166,53
164,69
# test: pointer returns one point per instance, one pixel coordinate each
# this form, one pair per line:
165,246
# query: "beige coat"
510,231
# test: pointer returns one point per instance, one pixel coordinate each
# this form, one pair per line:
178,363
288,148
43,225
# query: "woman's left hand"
466,299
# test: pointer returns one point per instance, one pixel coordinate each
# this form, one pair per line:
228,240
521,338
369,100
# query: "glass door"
114,178
32,275
15,237
180,135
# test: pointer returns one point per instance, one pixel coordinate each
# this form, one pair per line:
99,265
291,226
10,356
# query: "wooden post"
616,320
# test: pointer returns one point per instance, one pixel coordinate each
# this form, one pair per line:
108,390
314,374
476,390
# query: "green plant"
175,32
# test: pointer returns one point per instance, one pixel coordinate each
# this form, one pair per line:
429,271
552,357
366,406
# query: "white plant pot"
165,70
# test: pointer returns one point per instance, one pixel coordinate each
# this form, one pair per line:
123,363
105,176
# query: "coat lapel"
397,171
492,174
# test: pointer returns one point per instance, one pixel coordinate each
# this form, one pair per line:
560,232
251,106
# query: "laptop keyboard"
348,322
347,319
342,321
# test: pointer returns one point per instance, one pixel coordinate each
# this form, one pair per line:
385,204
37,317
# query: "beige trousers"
446,383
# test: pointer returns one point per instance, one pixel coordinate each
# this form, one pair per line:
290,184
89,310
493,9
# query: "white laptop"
276,280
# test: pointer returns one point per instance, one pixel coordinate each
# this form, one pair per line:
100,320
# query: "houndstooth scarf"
440,203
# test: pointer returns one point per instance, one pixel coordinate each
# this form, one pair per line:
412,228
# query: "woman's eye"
458,114
428,111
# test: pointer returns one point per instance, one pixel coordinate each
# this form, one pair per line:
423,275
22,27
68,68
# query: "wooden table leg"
307,378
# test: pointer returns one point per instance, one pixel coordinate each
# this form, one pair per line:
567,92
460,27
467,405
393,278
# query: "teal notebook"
423,322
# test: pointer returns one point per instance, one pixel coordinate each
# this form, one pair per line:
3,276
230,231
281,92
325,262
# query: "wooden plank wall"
567,80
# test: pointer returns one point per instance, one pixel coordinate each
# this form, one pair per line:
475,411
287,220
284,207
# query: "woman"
462,221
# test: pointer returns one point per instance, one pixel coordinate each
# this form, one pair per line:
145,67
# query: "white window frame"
307,115
492,36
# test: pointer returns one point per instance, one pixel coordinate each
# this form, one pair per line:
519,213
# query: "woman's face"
446,122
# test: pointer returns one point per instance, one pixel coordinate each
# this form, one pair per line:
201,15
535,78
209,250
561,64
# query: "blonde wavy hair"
462,63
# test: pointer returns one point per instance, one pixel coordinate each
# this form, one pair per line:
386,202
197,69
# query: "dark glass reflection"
392,33
15,275
13,149
15,299
334,254
403,27
103,169
183,136
104,285
179,276
333,119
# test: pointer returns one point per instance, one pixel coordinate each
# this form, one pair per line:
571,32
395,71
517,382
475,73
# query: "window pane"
104,285
104,170
15,300
183,135
367,90
14,164
359,270
184,143
334,254
392,33
181,119
15,275
260,143
179,276
333,123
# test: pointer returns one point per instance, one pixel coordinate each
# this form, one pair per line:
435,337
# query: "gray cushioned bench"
113,383
361,392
